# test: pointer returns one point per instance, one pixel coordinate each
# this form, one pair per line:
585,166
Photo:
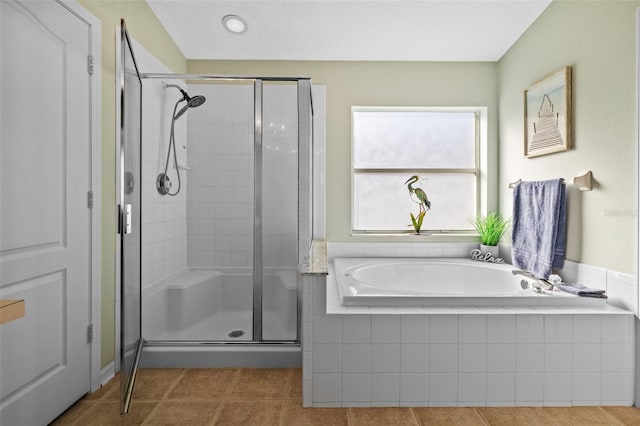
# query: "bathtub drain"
236,333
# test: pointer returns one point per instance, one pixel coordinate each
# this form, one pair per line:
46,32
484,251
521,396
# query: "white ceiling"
356,30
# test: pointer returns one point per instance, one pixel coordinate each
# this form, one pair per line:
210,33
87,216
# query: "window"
440,145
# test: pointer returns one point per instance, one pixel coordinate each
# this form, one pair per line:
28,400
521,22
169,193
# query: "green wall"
376,84
597,39
145,28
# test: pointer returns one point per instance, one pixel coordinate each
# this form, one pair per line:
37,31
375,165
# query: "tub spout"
538,284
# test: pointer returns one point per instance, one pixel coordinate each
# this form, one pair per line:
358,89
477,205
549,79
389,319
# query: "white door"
44,216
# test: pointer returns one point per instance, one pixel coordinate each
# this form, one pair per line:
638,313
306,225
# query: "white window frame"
480,170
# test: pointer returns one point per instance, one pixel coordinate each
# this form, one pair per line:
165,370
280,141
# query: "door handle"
128,219
125,218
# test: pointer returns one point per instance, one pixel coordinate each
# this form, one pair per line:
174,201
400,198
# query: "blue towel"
539,236
581,290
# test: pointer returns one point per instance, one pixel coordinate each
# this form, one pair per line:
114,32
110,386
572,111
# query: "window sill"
435,237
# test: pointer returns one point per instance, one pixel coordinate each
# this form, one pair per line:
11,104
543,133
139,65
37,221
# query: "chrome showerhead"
196,101
192,102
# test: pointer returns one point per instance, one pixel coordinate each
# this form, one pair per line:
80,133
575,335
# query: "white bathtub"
430,282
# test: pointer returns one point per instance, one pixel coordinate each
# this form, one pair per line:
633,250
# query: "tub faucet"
538,284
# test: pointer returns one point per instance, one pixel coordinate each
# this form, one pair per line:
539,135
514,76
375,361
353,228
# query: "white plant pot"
494,250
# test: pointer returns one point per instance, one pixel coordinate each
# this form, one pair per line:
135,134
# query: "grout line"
612,416
234,381
218,413
174,385
415,417
288,387
150,413
481,416
283,410
60,418
546,414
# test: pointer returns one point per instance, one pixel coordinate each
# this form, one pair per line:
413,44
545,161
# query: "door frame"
637,91
95,33
638,178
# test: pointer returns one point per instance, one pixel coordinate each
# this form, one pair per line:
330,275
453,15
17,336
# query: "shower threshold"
221,354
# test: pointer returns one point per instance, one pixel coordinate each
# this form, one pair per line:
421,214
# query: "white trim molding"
95,28
637,287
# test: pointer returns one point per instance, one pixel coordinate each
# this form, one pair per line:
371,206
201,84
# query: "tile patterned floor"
273,397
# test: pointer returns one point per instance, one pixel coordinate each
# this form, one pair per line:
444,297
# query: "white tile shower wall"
280,176
164,218
220,192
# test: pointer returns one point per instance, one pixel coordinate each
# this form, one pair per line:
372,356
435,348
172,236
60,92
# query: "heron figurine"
419,194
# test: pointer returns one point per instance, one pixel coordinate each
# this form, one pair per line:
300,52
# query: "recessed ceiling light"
234,24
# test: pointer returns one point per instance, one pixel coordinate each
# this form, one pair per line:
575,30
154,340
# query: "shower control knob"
163,184
129,183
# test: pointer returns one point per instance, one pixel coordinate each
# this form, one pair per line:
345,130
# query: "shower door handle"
124,219
127,219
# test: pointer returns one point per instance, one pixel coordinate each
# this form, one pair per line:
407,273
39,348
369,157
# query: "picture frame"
547,115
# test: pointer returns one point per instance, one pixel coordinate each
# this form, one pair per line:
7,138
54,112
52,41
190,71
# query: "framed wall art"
547,115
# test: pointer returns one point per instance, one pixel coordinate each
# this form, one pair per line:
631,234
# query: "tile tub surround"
389,357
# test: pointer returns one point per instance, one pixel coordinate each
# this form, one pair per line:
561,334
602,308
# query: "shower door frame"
128,219
305,208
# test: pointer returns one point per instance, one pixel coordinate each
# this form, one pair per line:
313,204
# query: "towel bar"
584,181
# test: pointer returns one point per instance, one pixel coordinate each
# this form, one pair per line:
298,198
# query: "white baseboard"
107,373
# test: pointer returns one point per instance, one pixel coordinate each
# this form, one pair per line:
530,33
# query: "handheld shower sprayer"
192,102
163,183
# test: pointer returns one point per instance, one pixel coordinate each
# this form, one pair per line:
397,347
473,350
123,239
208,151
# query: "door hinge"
90,199
90,64
90,333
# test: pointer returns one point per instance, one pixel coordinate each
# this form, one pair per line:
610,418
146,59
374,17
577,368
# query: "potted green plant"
491,228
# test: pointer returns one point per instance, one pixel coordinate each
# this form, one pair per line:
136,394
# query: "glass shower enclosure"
129,215
214,263
240,222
